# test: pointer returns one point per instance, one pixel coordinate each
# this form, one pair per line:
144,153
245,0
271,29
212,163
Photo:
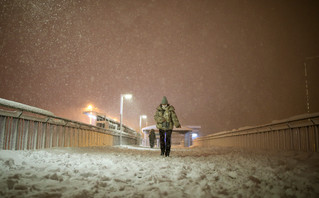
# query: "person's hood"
164,100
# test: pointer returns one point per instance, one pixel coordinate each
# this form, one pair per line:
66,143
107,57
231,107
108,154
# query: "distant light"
90,108
143,116
92,116
128,96
194,135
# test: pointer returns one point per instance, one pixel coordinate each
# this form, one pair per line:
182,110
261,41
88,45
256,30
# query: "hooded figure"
152,138
165,118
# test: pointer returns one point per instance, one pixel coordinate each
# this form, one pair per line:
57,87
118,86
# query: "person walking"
152,138
166,118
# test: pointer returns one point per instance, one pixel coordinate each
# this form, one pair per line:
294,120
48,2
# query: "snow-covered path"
142,172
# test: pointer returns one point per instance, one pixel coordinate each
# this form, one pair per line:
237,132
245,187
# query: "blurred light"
90,107
92,116
143,116
194,135
128,96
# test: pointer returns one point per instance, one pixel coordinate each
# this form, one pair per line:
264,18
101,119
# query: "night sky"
221,64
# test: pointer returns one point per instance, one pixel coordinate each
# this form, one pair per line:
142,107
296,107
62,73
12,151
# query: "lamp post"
90,108
142,117
306,81
89,112
128,97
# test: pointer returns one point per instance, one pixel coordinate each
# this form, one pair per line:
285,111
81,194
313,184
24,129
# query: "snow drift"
142,172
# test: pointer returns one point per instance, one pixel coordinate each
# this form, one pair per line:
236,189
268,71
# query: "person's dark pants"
151,143
165,141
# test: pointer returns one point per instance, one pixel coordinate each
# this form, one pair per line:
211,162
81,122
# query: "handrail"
296,133
48,114
290,120
23,107
19,130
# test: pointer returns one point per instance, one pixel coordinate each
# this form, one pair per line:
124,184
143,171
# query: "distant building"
101,120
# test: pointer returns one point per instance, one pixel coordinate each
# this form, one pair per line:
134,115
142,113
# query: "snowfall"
129,171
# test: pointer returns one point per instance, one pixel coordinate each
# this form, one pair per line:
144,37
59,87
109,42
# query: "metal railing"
299,133
26,127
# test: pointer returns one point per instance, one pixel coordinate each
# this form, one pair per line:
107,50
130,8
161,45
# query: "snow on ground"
141,172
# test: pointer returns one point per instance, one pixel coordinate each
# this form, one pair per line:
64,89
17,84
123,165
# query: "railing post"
79,131
63,136
274,142
81,137
72,137
19,134
44,130
69,135
58,131
94,139
13,140
67,144
278,139
86,138
264,140
284,134
292,139
26,134
51,134
36,124
299,137
307,139
2,131
30,135
89,139
245,140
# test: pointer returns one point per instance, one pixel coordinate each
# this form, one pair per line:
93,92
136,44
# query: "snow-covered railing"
27,127
297,133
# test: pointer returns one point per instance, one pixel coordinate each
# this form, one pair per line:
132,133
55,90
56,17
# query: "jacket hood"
164,100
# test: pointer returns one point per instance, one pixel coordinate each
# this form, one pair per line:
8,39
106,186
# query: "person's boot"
162,152
167,154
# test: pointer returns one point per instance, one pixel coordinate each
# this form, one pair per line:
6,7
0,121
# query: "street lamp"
142,117
306,81
89,112
128,97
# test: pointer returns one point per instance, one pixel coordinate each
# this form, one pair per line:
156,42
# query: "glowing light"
194,135
128,96
90,108
92,116
143,116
